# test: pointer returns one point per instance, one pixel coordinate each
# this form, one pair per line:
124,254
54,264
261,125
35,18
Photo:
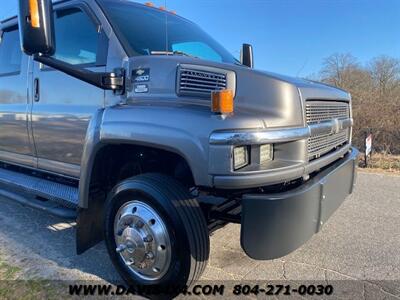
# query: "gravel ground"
361,241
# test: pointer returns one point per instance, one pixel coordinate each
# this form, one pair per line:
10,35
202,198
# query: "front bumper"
274,225
290,154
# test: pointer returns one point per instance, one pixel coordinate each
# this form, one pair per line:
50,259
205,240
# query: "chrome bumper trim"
259,137
282,135
332,126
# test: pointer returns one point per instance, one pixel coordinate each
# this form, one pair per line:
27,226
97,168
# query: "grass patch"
8,272
381,161
31,290
13,288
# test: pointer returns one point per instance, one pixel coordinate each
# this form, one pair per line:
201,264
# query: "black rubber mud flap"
89,231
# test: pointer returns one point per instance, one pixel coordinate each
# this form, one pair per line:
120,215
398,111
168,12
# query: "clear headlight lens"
266,153
240,157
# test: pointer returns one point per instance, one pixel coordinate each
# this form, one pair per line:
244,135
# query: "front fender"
157,127
126,127
163,137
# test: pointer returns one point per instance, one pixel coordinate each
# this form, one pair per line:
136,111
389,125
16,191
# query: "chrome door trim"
19,159
59,168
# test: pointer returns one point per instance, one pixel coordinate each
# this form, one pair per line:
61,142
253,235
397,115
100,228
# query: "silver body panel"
15,142
64,130
60,119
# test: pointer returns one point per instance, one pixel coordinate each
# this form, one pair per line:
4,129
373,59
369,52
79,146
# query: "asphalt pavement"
359,244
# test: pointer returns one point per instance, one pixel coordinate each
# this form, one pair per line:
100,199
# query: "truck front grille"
319,145
192,82
318,112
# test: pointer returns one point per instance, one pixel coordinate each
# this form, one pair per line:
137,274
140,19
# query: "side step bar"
48,207
17,183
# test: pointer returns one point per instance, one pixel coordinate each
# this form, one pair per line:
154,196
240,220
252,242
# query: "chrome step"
16,182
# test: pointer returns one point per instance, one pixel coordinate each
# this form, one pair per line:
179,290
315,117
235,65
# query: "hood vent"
201,81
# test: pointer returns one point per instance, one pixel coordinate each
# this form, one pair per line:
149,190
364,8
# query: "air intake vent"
319,112
201,81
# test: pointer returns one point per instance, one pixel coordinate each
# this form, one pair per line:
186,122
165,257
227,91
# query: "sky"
291,37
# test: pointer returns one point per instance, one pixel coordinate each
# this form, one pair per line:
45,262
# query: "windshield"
149,31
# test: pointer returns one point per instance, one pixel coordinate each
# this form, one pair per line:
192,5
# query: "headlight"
240,157
266,153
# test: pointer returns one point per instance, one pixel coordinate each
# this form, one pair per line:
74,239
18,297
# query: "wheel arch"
164,139
101,140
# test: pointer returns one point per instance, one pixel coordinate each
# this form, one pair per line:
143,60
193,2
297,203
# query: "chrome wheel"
142,240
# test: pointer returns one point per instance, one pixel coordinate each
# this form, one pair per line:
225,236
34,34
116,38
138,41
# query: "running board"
48,207
59,193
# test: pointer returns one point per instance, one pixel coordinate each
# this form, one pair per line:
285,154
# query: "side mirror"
246,56
36,27
36,24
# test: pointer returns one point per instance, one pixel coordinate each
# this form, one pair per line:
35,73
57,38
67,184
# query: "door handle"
36,90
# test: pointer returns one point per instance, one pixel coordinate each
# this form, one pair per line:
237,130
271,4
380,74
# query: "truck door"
64,105
15,146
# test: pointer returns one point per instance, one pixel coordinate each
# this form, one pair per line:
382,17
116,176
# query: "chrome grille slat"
200,82
213,77
322,144
203,84
193,89
318,111
321,111
191,71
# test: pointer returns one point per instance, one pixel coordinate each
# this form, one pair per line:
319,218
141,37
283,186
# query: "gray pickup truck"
138,124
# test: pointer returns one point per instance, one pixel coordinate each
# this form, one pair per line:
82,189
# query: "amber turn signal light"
222,101
34,13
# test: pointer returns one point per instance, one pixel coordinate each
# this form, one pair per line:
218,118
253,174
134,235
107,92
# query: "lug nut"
130,263
142,266
121,248
149,255
148,239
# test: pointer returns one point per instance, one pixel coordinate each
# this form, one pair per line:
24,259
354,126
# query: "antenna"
302,67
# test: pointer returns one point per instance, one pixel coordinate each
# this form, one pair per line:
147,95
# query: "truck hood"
276,99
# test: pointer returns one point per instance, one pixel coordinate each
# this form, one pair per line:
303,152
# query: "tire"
183,257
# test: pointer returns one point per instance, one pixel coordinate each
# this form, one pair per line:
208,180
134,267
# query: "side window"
10,52
77,39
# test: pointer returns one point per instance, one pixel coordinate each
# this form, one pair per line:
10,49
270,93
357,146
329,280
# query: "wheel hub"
142,240
135,245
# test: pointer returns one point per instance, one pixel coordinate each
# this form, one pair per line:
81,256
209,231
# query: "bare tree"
385,72
336,69
375,91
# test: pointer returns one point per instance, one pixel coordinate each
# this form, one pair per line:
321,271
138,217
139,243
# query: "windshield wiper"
172,53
